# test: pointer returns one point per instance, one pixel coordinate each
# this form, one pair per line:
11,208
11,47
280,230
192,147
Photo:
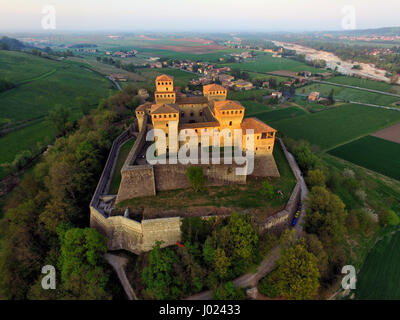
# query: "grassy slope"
123,153
373,153
338,125
368,84
349,94
267,63
43,83
379,277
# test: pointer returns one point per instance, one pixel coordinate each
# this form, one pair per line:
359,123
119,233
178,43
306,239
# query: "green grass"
373,153
41,85
348,94
338,125
368,84
181,78
254,107
247,95
267,63
23,139
123,153
231,196
379,277
277,115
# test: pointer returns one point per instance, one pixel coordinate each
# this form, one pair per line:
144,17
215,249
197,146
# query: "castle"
208,115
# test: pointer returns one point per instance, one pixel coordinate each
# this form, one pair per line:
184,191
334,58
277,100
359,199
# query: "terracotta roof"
191,100
213,87
165,77
257,125
199,125
144,106
164,108
228,105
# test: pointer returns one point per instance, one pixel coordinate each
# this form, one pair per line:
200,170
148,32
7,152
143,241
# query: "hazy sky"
188,15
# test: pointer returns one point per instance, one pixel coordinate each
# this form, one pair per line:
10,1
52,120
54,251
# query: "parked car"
296,217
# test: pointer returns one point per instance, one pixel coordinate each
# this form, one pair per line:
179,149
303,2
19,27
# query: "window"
166,125
165,115
230,123
166,135
263,135
174,115
169,116
223,112
182,114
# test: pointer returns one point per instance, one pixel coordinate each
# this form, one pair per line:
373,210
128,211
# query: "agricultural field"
274,116
349,94
367,84
41,84
373,153
379,276
267,63
338,125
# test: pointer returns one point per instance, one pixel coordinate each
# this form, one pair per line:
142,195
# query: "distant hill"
391,31
7,43
83,45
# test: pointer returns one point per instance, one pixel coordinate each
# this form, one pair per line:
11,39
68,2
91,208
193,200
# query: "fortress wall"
137,181
283,218
167,230
127,234
170,177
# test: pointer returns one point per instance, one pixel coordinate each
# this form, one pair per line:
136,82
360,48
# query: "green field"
379,277
368,84
330,128
277,115
254,107
372,153
348,94
41,85
116,178
267,63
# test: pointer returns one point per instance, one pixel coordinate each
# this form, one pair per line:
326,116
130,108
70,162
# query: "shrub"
196,177
227,291
267,287
267,189
316,178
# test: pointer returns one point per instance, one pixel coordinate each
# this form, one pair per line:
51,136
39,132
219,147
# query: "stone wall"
170,177
127,234
283,218
136,181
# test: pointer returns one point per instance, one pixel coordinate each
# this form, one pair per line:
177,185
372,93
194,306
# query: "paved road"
358,88
119,263
115,83
266,266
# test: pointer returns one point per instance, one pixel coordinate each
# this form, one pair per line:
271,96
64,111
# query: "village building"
313,96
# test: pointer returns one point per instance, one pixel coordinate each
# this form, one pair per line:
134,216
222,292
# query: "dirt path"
119,263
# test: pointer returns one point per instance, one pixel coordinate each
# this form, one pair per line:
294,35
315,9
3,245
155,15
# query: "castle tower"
215,92
141,111
166,118
229,114
165,90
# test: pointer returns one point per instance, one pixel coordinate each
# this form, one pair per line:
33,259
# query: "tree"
316,178
267,189
84,105
196,177
221,263
394,79
58,118
242,241
227,291
158,276
297,273
306,159
325,214
82,264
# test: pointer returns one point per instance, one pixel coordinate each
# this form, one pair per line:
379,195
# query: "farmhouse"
313,96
